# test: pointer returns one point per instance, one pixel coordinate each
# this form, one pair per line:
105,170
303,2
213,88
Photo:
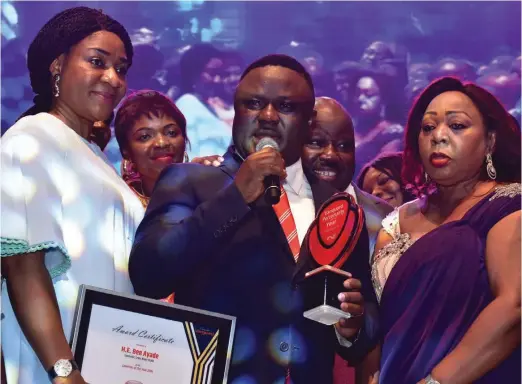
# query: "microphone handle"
272,189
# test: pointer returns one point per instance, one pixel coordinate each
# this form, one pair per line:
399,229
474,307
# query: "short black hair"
58,36
148,103
285,61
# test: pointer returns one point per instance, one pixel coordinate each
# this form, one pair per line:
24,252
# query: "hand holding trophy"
331,239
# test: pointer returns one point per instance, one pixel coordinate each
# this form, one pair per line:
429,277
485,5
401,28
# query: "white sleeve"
31,203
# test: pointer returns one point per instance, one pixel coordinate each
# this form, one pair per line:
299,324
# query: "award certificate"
125,339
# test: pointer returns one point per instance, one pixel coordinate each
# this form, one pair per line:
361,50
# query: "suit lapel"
270,222
321,192
261,210
231,162
375,210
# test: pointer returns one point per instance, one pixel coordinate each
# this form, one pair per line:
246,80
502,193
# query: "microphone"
271,182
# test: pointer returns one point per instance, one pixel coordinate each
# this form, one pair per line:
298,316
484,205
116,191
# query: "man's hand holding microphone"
261,172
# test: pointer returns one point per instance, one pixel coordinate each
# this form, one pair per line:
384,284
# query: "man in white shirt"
211,237
329,155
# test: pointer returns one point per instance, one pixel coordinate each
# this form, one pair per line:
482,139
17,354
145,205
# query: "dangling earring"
128,172
185,157
56,92
426,178
131,176
490,168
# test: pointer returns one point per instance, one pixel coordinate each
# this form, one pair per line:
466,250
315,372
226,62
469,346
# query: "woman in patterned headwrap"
67,217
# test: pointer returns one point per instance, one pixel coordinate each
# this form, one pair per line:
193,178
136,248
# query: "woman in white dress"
67,217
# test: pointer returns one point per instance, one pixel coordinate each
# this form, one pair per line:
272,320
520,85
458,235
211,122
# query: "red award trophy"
331,239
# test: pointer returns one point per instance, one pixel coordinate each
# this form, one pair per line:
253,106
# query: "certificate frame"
88,296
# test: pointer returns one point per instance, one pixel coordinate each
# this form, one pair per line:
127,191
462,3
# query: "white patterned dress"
61,196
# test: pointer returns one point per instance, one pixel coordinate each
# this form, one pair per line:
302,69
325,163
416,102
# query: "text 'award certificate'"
125,339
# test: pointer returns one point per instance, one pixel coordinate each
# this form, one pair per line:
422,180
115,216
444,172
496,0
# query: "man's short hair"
284,61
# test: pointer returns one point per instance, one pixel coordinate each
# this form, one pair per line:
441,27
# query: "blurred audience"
505,86
344,75
449,66
225,77
378,125
376,88
147,69
201,71
16,88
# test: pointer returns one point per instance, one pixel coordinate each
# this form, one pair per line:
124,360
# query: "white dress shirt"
300,198
351,191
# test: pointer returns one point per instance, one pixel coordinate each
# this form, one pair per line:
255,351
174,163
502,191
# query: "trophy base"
326,315
321,288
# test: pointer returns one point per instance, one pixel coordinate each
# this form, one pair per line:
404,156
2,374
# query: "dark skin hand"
352,302
250,176
34,303
213,160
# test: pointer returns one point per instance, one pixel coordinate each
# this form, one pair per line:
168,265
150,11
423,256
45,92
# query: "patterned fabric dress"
433,289
61,196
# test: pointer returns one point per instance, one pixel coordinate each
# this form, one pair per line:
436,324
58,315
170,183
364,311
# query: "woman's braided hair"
58,36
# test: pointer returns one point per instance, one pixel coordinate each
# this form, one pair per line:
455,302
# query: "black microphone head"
267,142
273,193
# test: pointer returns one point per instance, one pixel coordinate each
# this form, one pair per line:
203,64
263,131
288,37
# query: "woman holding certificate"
67,217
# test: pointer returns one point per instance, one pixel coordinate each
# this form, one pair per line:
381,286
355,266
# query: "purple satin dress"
437,289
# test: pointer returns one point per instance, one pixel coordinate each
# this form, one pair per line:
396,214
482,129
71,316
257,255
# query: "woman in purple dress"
447,265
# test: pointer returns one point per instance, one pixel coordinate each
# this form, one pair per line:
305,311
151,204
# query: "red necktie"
286,219
284,214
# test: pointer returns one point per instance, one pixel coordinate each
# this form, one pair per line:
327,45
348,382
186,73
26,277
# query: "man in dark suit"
329,155
209,236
